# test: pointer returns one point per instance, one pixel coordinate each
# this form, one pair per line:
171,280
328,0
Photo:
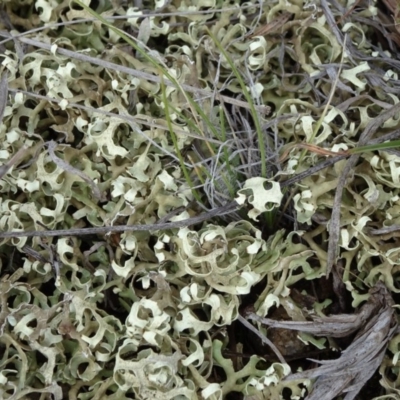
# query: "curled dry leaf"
376,324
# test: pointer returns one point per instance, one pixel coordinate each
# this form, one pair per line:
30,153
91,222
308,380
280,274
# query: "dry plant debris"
277,119
375,324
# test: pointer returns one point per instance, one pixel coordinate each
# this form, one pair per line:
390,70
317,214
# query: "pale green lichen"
148,314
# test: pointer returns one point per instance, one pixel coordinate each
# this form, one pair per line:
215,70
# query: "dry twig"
334,225
376,324
230,207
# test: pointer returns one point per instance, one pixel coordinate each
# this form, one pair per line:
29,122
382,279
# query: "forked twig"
52,145
376,324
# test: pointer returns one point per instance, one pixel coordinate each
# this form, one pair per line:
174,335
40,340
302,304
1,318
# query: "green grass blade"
250,102
175,142
372,147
